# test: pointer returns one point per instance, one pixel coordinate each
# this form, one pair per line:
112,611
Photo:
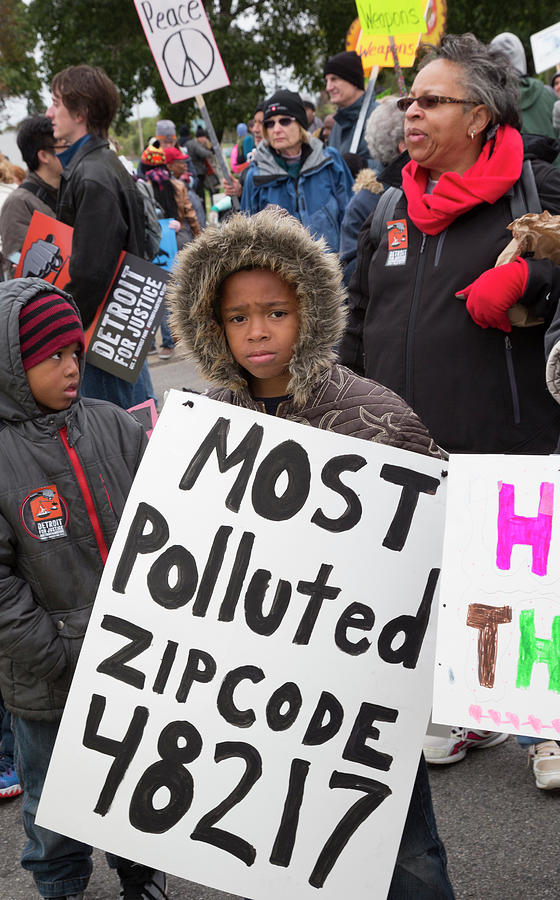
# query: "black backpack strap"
39,192
383,213
32,188
525,198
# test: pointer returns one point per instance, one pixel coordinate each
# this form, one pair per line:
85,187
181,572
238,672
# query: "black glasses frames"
284,121
430,101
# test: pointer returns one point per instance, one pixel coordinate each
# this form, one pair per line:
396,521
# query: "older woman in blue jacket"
293,170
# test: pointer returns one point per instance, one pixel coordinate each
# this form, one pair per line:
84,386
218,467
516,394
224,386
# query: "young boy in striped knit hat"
68,465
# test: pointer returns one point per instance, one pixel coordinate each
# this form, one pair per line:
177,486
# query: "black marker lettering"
413,484
357,615
413,628
285,839
356,749
237,577
245,452
318,591
330,477
254,602
180,560
218,837
287,693
164,671
114,665
122,751
211,570
193,672
179,743
138,542
319,731
242,718
291,458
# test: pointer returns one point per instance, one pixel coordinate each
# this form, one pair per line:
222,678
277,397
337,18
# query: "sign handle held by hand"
216,146
363,111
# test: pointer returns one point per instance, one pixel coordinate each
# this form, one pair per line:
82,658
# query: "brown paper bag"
539,234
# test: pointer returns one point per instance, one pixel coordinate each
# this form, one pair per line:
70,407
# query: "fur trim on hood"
274,240
366,180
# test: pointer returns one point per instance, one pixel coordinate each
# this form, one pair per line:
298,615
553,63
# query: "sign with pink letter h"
498,641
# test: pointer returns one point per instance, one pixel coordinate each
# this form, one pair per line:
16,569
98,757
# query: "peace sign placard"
183,47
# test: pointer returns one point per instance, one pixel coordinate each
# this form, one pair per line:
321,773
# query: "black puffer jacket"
97,197
478,390
50,563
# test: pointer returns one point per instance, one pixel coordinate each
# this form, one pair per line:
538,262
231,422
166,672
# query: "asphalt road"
496,825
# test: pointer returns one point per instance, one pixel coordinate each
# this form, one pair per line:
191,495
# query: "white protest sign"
183,46
256,680
498,645
545,46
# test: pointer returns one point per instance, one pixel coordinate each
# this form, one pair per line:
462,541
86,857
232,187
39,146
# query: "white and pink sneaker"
441,751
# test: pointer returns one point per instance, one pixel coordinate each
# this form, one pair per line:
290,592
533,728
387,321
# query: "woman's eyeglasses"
429,101
284,121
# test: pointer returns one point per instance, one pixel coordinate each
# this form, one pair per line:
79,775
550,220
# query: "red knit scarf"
497,168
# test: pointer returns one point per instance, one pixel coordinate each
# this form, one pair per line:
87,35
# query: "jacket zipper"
298,198
408,376
512,380
439,248
86,494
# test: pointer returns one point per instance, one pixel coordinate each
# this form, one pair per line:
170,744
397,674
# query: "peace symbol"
189,57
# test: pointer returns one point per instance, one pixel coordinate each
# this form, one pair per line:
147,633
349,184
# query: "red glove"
494,292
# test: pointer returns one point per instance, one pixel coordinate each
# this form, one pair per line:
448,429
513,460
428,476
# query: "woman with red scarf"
428,312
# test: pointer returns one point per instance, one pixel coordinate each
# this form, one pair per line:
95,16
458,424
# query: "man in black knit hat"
344,81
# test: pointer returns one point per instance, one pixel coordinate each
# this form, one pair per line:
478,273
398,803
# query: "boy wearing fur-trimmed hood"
259,304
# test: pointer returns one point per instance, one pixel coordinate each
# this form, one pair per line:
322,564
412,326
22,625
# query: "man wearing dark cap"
344,80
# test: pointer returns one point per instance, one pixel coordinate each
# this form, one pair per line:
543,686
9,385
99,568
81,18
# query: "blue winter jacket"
317,197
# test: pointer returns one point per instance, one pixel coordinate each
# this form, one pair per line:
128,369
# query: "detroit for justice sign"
126,320
251,697
183,46
120,336
498,650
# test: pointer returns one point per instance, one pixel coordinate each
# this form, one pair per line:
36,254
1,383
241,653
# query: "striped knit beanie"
47,324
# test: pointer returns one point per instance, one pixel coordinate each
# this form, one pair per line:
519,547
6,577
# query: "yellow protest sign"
392,17
374,50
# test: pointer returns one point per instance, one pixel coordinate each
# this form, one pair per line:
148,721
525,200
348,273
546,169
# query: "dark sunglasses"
429,101
284,121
